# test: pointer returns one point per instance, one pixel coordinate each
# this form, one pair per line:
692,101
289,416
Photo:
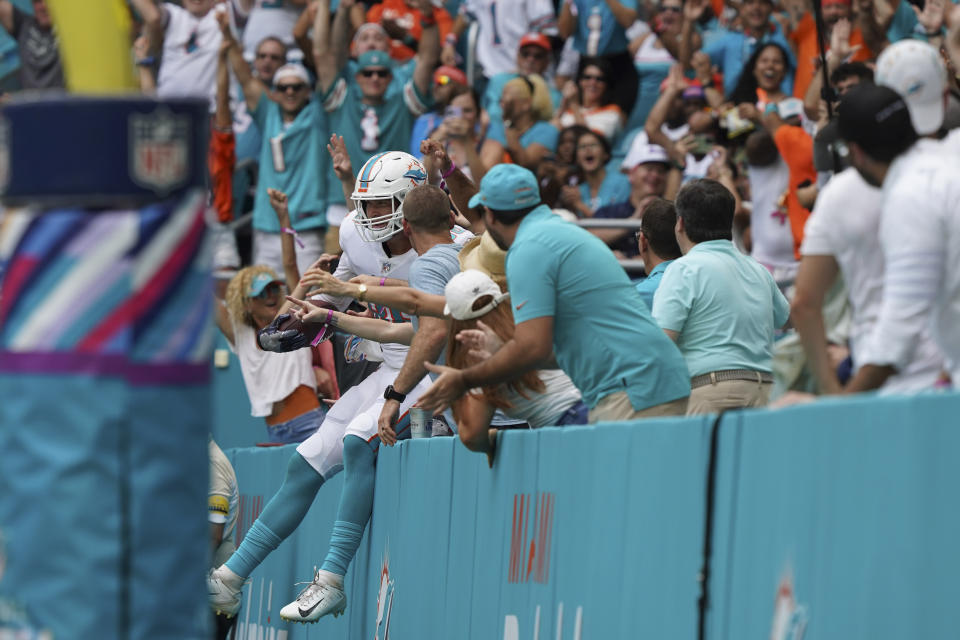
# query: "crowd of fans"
413,167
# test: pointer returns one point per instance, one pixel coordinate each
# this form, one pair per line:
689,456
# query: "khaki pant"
616,407
729,394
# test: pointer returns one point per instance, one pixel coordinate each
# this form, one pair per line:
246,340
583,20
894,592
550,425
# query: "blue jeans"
577,414
298,429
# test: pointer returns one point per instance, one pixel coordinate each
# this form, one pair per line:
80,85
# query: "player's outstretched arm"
369,328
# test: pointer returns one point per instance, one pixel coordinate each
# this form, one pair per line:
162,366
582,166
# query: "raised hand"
693,9
435,156
675,79
702,67
931,17
223,20
337,149
278,200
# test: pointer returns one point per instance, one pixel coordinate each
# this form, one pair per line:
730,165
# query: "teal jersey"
293,159
369,129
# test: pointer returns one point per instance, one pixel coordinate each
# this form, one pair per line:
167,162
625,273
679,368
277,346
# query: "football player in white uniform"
372,245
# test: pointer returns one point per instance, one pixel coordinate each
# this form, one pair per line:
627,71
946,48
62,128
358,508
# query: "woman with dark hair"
567,145
589,102
592,186
761,80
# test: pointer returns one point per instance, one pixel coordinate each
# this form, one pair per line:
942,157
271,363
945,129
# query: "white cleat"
224,599
319,599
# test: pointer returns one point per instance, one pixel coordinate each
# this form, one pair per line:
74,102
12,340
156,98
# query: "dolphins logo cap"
465,288
915,71
507,187
260,282
374,59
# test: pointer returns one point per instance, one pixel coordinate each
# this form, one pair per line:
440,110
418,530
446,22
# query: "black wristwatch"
392,394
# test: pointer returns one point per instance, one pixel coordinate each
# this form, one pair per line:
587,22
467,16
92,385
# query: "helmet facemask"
382,227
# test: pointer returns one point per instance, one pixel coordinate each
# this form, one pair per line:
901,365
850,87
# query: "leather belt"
731,374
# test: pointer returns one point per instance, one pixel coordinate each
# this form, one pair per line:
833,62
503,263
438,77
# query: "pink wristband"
329,316
296,236
383,280
453,167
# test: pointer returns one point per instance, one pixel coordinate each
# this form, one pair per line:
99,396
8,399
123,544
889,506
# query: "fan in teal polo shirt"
658,245
719,305
572,300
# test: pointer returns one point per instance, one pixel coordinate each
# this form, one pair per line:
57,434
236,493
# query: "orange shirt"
222,159
805,39
796,149
409,19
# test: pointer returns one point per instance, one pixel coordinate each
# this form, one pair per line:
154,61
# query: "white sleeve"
913,236
818,233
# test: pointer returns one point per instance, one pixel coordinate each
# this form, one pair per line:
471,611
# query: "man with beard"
570,298
919,230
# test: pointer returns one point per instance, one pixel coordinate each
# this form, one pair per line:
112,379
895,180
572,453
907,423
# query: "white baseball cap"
914,70
467,287
291,70
643,153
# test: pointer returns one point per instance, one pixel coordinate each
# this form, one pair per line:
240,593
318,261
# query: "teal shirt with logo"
725,305
369,129
603,335
305,162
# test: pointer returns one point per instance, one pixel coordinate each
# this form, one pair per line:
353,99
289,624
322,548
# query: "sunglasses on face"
379,73
291,88
536,54
595,78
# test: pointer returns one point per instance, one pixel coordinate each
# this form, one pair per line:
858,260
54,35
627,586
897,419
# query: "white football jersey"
368,258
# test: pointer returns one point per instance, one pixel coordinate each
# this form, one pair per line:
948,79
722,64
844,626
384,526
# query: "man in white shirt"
919,233
842,234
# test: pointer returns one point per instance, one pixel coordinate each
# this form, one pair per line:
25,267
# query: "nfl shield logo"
159,156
